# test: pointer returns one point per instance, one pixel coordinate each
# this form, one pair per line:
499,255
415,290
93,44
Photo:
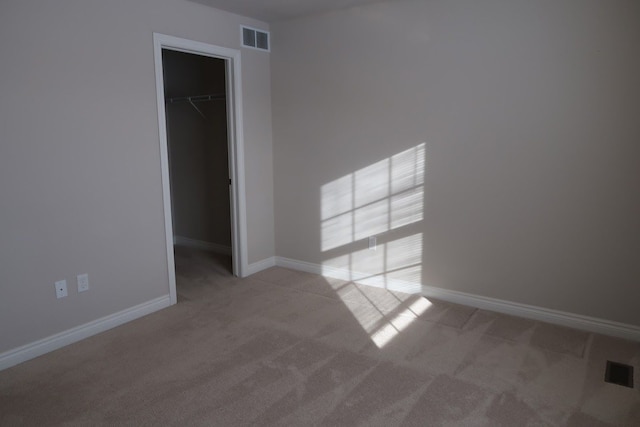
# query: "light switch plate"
373,243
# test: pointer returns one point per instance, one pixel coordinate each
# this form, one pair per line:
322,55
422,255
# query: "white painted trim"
235,126
54,342
201,244
557,317
571,320
236,148
164,161
344,274
307,267
261,265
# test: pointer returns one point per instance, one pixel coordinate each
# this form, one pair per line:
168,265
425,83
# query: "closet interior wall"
198,149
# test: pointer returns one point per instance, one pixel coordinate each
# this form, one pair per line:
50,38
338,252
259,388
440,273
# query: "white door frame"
235,148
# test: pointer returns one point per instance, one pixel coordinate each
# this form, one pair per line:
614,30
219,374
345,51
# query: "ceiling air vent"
255,39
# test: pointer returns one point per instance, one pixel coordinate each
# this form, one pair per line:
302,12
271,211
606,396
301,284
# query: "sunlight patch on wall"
381,197
404,252
385,196
371,219
337,197
406,207
371,183
396,264
337,231
371,263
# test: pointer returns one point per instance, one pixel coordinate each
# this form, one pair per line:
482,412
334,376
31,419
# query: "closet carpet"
295,349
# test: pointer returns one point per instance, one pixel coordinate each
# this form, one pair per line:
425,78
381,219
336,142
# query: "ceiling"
280,10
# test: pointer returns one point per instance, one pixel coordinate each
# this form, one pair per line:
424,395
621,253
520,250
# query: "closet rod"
198,98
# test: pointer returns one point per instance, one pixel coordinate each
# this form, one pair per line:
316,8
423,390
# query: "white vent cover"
255,39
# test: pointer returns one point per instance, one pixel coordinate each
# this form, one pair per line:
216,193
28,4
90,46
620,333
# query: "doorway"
201,148
195,96
195,99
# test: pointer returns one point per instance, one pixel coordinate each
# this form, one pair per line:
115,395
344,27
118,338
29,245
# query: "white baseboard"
54,342
563,318
260,265
308,267
201,244
571,320
344,274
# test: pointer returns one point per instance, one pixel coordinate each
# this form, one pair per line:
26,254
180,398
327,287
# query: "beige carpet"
295,349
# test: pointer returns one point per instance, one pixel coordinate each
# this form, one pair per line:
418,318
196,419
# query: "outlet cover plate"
61,289
83,282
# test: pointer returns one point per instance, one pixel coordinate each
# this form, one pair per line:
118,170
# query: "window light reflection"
384,196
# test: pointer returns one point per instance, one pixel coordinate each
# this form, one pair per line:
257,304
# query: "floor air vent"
255,39
618,373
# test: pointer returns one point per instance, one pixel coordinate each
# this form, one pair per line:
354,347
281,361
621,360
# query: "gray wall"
528,112
80,180
198,154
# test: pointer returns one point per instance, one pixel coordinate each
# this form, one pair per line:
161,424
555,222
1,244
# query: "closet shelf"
198,98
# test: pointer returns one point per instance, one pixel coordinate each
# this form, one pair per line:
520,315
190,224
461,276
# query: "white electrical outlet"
373,243
83,282
61,288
